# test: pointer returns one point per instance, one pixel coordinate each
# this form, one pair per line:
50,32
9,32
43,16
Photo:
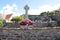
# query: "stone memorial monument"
26,22
26,11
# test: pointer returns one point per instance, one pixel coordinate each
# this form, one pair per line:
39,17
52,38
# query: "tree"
43,13
48,13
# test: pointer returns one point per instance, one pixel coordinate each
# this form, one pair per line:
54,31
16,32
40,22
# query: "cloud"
14,9
44,8
34,12
7,9
14,5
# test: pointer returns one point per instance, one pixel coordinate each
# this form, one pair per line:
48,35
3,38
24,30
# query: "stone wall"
36,24
30,34
45,24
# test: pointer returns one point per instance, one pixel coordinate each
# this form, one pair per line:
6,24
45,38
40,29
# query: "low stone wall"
30,34
45,24
38,24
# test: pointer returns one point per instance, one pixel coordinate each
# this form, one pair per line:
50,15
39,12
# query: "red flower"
25,22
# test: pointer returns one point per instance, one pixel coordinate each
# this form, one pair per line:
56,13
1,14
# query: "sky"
36,6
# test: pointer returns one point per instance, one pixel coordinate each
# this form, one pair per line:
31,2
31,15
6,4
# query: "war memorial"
28,29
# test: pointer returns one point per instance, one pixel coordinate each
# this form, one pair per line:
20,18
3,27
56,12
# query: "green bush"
17,18
1,22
